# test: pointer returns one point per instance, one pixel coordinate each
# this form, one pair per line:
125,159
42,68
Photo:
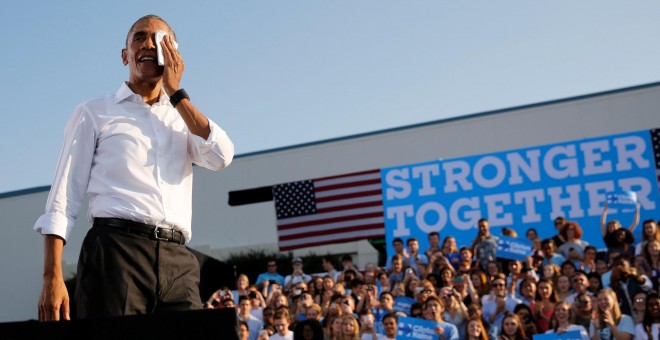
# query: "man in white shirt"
495,309
297,276
281,324
132,153
244,314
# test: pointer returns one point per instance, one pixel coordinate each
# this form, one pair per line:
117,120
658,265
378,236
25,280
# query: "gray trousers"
121,273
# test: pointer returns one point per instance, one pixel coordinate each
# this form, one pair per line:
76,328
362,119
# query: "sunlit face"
281,325
281,301
605,302
548,272
466,255
244,334
639,301
397,265
413,246
548,249
245,306
563,284
653,307
590,255
612,226
580,283
514,267
312,314
529,290
484,228
328,283
434,309
447,275
509,326
561,312
140,52
654,248
386,302
601,267
348,327
531,234
434,240
584,302
492,268
476,281
337,326
390,327
523,314
241,283
499,287
650,229
474,328
545,290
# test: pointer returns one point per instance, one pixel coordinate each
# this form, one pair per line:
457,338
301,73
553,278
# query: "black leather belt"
146,230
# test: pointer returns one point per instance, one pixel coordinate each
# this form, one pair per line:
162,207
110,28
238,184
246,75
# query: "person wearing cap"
297,275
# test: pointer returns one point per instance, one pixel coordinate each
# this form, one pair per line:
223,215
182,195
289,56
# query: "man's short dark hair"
391,315
411,240
483,219
434,233
330,259
346,258
243,298
397,240
149,16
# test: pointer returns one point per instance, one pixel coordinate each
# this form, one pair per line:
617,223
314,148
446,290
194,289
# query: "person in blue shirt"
549,254
264,280
433,308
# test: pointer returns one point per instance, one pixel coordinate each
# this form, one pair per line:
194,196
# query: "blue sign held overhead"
402,304
513,248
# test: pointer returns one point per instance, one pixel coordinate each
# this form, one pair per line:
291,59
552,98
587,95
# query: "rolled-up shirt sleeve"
215,152
71,176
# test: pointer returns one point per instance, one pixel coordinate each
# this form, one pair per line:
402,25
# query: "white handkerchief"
159,38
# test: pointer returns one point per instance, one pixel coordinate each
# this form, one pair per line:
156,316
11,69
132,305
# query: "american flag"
329,210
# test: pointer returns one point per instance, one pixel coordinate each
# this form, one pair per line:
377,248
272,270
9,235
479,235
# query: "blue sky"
279,73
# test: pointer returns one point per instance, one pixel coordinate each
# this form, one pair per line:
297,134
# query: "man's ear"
124,56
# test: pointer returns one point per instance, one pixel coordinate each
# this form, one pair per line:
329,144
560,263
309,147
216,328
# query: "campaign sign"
513,248
572,335
521,189
402,304
622,198
414,328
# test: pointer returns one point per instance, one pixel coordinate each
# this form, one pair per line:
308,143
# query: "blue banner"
414,328
522,189
572,335
402,304
513,248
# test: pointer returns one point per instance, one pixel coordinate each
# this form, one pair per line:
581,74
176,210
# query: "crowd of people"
565,285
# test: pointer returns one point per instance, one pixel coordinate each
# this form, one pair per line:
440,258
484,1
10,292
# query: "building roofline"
450,119
400,128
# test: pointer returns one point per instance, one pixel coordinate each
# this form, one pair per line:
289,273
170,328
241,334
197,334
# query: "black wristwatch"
178,96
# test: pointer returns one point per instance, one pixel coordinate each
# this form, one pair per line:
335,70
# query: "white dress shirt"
133,160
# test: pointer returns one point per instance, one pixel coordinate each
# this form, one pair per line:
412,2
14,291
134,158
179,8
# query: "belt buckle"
158,237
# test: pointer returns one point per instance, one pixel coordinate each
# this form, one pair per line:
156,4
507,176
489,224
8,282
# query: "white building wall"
219,229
